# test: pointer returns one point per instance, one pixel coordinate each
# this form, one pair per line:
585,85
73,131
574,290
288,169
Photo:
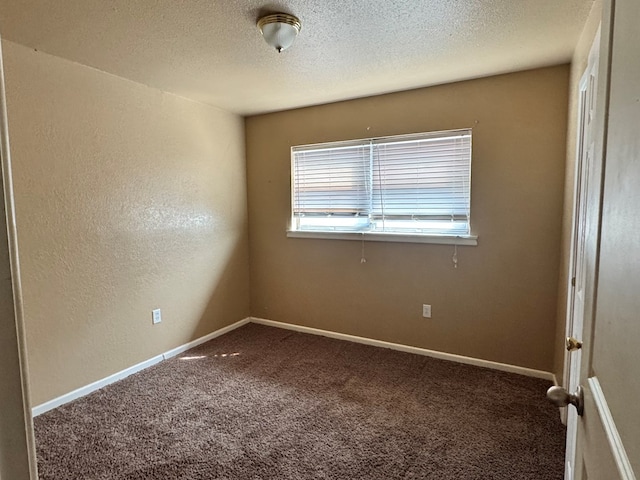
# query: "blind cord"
362,259
454,258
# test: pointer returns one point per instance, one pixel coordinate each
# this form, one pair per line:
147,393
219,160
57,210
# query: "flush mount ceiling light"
279,30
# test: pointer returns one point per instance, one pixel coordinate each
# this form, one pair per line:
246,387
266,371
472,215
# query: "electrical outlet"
426,311
156,316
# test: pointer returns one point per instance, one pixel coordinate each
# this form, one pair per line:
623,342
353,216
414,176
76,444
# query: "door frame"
593,61
17,443
574,327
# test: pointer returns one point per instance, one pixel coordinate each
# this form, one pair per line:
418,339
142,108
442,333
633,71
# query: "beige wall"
130,199
500,303
578,66
127,199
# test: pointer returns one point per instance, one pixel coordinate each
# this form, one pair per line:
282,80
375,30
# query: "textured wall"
500,304
127,199
578,66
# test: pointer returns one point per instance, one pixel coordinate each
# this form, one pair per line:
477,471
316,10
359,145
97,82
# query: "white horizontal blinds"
331,186
422,184
413,184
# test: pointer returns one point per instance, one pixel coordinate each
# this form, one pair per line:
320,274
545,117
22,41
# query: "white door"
586,187
608,433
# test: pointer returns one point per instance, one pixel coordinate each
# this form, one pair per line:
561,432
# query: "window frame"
374,235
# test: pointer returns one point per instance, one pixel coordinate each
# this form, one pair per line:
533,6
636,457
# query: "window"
410,185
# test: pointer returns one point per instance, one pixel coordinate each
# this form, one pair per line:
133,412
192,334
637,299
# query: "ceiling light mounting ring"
279,30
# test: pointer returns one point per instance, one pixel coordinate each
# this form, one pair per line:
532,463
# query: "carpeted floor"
266,403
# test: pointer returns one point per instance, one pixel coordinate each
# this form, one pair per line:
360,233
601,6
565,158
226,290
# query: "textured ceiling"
211,50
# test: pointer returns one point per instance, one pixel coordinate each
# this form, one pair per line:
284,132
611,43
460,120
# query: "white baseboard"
82,391
406,348
92,387
206,338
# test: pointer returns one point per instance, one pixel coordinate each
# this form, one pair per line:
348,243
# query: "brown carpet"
266,403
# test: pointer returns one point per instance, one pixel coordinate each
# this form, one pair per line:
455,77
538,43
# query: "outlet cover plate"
426,311
156,316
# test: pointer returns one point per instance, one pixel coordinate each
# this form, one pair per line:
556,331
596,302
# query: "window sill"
471,240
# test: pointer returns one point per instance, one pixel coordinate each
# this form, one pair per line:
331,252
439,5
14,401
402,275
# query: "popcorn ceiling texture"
211,51
265,403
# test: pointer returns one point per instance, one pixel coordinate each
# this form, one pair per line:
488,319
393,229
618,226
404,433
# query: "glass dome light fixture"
279,30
